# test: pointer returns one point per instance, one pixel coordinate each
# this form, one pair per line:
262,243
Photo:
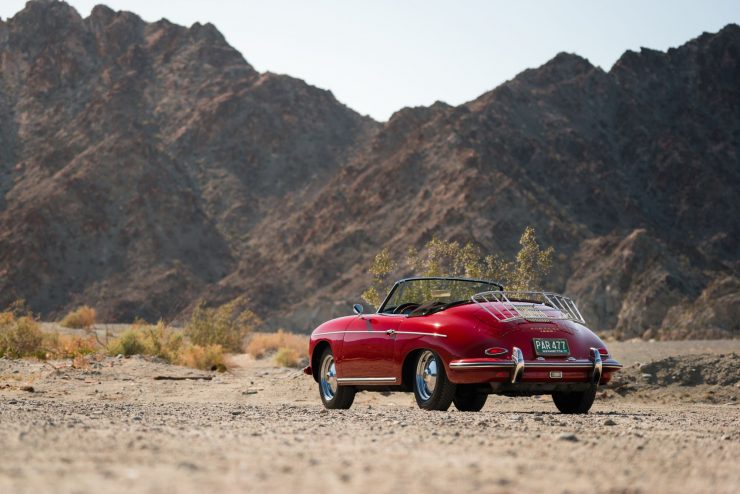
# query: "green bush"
146,339
224,325
131,342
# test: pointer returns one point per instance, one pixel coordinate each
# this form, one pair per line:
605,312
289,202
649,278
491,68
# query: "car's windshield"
409,295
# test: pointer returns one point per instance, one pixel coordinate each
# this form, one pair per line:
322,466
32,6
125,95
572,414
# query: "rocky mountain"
146,165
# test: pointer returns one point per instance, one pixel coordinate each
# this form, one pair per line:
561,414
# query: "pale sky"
380,56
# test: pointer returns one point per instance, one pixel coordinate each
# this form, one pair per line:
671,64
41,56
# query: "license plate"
551,346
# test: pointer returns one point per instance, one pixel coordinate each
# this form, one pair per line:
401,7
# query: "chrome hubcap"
328,382
426,375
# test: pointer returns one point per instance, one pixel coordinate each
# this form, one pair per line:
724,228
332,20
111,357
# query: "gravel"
114,428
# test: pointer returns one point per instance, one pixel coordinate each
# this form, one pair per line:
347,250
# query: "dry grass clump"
224,325
59,346
289,348
80,318
210,357
20,336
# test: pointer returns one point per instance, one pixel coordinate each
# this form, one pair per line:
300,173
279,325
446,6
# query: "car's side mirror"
357,308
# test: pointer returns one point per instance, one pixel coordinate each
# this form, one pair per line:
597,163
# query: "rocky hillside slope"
144,166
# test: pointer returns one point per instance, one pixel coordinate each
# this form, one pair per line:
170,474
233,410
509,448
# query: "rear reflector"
493,352
603,352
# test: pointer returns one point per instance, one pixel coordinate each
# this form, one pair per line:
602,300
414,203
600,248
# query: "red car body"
479,352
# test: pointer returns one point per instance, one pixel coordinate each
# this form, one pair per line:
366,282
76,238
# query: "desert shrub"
146,339
162,341
444,258
159,340
82,317
262,344
20,336
209,357
224,325
288,357
130,342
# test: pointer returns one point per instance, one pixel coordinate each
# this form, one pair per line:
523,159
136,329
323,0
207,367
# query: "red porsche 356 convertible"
457,340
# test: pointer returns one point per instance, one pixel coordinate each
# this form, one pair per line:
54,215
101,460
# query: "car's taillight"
603,353
495,351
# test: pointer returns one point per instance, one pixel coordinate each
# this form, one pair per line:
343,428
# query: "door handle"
390,332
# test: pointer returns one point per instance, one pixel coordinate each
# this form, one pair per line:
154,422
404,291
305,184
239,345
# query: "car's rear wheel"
575,402
332,394
469,399
432,389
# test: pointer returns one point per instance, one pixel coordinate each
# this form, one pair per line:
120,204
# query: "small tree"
381,268
532,263
447,258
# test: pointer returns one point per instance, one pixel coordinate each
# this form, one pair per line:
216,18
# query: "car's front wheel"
332,394
432,389
575,402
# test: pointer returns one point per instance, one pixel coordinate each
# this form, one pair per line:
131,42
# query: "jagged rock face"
143,166
136,158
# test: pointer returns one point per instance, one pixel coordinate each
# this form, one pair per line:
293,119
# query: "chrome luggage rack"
521,305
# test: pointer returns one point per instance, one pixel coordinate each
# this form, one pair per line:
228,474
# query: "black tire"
469,399
333,396
575,402
432,389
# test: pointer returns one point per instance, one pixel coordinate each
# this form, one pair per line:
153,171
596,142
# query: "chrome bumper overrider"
517,365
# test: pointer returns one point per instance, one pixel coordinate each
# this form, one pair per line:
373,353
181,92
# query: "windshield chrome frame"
432,278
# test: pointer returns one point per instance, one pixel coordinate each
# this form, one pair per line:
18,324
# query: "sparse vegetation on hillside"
445,258
81,318
226,325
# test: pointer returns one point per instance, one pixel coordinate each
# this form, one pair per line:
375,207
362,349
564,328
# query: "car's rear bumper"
517,370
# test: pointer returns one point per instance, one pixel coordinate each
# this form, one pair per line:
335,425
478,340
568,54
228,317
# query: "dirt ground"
114,427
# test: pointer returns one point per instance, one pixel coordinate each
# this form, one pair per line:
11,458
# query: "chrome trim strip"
367,380
342,332
439,335
482,365
381,332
